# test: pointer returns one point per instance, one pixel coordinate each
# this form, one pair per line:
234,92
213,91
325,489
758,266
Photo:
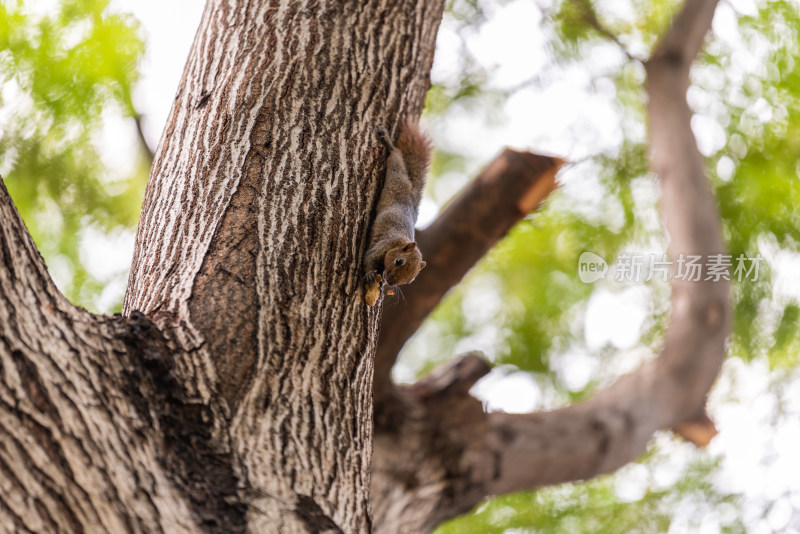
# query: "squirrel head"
402,264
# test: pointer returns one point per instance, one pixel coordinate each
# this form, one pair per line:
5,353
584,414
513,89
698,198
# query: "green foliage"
758,201
59,72
579,24
595,507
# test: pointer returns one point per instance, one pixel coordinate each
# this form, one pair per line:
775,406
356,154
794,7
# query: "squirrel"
392,255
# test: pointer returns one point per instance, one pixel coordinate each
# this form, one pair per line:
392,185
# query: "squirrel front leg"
373,262
372,285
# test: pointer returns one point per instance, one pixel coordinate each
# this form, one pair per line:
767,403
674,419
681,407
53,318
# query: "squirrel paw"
372,277
383,135
373,286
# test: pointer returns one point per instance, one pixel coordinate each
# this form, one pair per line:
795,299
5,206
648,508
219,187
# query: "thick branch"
22,269
499,453
83,400
512,186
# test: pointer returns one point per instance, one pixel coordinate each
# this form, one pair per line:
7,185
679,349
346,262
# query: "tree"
234,392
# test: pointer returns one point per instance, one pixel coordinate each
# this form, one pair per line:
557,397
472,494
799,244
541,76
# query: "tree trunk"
235,393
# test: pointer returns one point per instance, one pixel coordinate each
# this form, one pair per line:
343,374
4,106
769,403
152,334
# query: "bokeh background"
86,87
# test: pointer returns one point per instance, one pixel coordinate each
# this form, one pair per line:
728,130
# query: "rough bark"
437,454
81,442
235,393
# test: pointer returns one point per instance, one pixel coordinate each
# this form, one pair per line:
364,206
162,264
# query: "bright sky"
758,447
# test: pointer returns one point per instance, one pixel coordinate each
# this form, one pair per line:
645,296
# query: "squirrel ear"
409,246
422,265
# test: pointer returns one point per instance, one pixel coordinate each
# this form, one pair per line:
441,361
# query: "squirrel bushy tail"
417,150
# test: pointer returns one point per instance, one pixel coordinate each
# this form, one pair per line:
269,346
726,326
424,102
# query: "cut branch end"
700,432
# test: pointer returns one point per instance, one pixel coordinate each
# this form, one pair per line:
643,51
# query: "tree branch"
22,269
512,186
687,32
460,459
590,17
88,412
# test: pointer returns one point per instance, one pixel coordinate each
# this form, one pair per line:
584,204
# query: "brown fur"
417,150
392,234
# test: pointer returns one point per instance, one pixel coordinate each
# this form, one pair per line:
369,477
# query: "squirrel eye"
399,262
